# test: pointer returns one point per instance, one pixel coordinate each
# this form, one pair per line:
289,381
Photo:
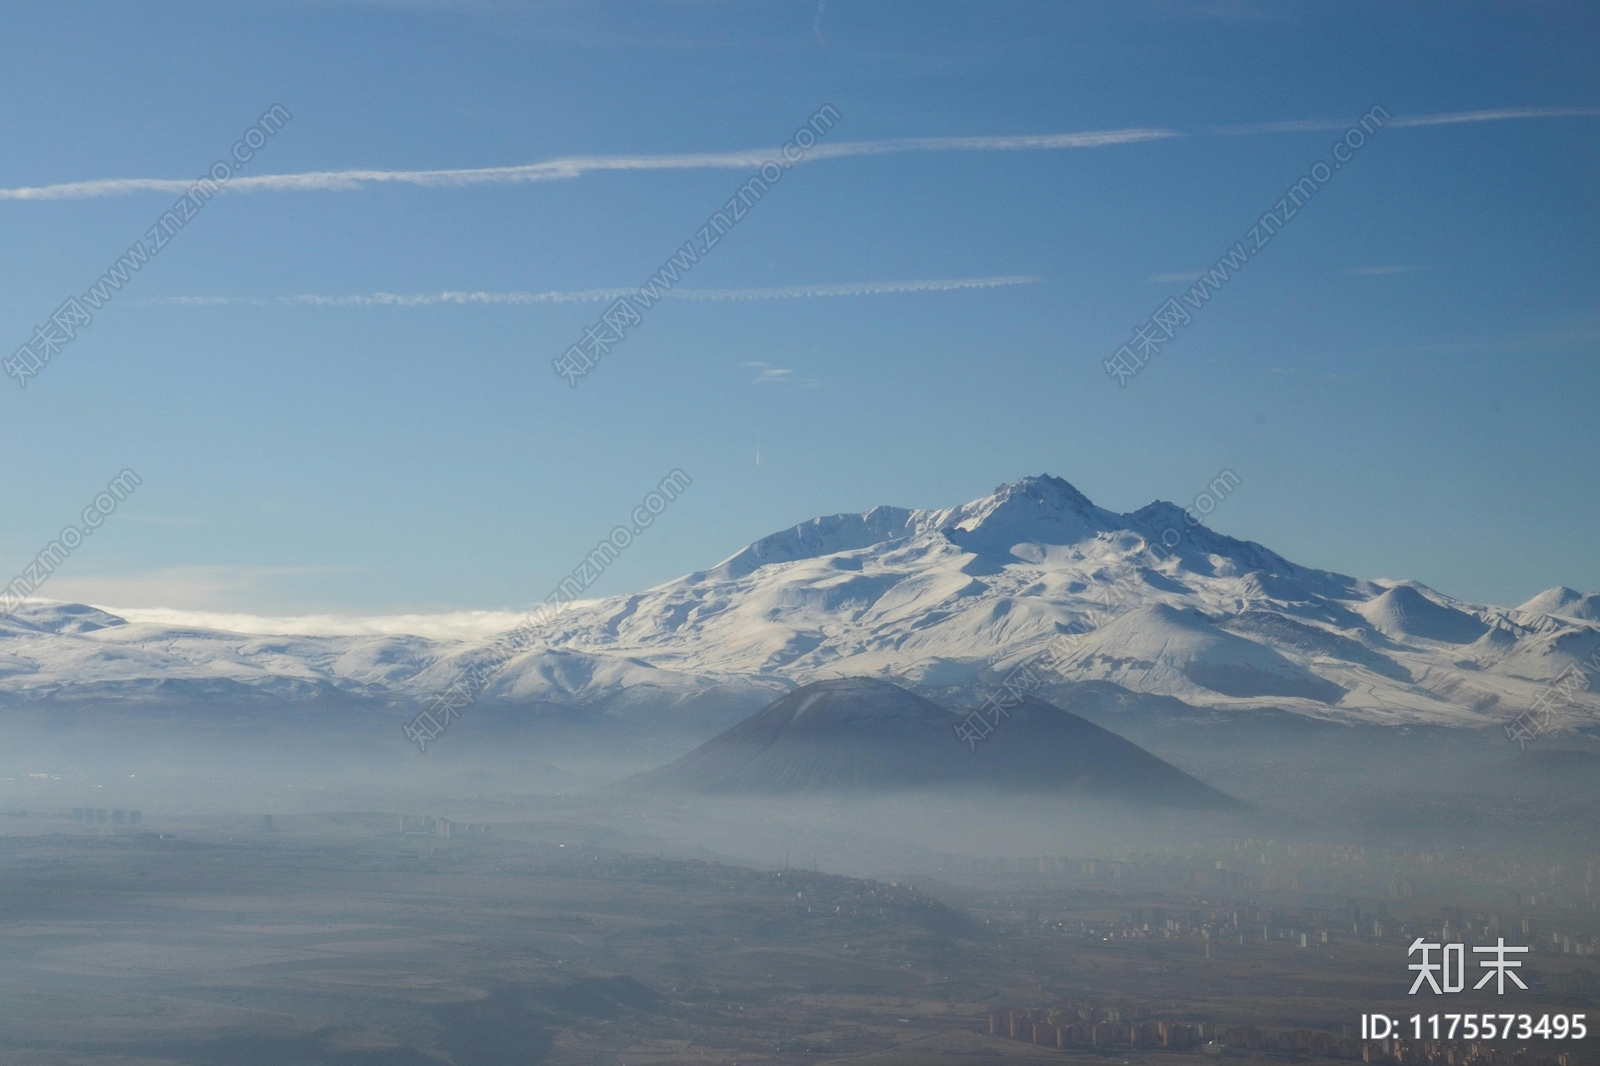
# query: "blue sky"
1405,378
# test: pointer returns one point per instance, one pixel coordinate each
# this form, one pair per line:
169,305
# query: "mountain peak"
1566,602
1046,489
818,537
1043,509
1403,611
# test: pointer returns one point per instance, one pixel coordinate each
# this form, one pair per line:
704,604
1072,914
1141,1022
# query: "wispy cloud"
769,374
786,292
188,587
578,166
389,299
861,288
1494,115
471,626
1363,272
170,523
1501,114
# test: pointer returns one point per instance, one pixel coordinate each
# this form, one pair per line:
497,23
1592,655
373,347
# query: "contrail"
787,292
1498,115
864,288
577,166
1447,118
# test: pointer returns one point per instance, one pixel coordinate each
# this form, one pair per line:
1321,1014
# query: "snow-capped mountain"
941,600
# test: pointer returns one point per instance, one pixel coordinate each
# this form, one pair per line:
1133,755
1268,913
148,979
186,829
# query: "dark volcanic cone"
862,735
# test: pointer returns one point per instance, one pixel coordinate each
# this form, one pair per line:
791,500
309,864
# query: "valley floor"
338,939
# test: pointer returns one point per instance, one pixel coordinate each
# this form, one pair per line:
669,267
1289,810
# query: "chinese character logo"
1449,973
1455,979
1500,967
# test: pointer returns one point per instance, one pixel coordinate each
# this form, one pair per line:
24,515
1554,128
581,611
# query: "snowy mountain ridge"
938,600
